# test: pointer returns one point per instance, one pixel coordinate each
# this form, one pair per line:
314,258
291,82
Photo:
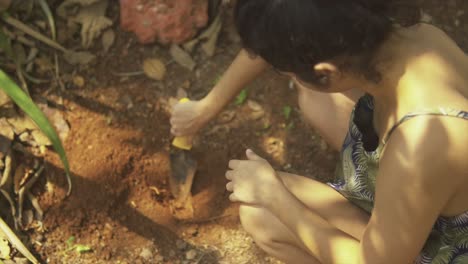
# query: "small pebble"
191,254
146,254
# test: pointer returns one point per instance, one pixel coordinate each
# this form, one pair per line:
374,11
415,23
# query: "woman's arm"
243,70
412,189
190,117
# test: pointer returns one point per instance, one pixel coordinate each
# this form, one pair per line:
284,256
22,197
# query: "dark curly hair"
294,35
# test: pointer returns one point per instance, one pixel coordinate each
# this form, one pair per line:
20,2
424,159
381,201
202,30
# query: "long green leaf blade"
16,242
28,106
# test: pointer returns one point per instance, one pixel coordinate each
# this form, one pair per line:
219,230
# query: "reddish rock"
164,21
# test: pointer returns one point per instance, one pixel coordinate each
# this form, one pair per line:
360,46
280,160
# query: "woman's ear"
327,72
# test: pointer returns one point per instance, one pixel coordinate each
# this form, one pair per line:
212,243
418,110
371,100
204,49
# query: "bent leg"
328,113
277,240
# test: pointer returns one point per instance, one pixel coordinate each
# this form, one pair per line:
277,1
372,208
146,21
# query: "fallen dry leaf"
182,58
108,39
226,116
78,81
154,69
91,16
79,58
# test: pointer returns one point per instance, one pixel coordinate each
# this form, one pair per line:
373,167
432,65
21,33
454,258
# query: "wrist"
281,194
210,107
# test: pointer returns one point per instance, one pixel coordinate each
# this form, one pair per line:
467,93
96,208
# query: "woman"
392,99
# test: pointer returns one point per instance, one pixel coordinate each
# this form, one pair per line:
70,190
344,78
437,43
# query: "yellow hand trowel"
183,168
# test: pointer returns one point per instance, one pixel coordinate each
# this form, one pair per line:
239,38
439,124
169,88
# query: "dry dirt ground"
118,150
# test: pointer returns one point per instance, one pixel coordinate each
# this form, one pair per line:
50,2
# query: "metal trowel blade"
183,168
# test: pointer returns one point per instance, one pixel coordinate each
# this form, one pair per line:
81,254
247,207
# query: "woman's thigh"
266,228
328,113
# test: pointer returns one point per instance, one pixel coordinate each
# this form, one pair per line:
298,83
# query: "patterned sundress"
356,176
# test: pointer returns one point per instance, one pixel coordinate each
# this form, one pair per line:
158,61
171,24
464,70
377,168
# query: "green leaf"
287,110
70,241
240,99
50,17
28,106
83,249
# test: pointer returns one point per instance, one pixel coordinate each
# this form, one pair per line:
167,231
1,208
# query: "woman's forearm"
242,71
326,242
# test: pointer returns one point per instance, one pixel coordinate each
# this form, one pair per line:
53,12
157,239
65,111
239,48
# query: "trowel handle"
183,142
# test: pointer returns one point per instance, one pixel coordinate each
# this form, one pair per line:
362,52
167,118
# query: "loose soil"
118,149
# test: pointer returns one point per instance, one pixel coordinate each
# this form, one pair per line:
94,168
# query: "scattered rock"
191,254
174,21
275,147
78,81
154,69
146,254
182,58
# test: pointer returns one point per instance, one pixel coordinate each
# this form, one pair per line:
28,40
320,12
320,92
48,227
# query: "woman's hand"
189,117
253,181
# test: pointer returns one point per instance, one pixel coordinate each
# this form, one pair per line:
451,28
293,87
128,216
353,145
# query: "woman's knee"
269,233
328,113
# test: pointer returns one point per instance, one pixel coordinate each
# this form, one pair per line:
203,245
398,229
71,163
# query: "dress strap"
437,112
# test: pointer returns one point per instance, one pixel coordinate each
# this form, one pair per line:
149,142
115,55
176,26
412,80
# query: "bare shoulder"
434,143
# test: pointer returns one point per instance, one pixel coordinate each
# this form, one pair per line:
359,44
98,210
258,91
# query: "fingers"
252,156
233,198
233,164
229,175
176,132
230,187
179,128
